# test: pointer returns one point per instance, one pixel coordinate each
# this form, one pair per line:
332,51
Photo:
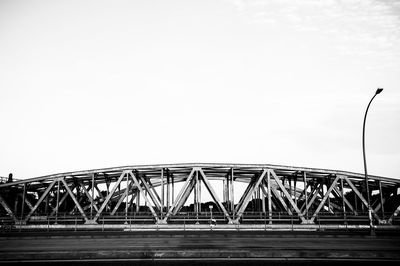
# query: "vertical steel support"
224,188
199,195
168,190
232,199
228,200
173,189
343,200
16,205
295,188
58,199
196,196
162,192
322,189
329,198
92,198
195,199
126,198
305,193
23,201
46,207
138,201
290,189
381,198
263,196
269,197
355,202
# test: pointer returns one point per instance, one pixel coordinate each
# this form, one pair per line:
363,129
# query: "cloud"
358,28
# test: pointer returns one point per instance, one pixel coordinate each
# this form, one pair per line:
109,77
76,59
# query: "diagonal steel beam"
28,203
149,191
75,200
181,192
303,194
122,197
379,206
321,204
281,200
246,192
337,195
330,210
99,191
315,193
266,193
144,196
214,195
287,195
40,200
134,194
154,192
7,208
94,220
247,197
185,196
89,196
361,197
55,209
395,213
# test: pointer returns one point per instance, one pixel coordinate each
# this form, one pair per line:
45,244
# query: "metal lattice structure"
157,194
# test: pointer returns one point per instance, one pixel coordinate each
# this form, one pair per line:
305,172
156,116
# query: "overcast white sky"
93,84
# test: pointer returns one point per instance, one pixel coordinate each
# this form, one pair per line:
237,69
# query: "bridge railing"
74,221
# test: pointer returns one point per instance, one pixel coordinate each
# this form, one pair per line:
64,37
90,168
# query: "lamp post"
379,90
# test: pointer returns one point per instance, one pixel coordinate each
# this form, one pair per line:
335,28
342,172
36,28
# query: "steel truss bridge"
156,196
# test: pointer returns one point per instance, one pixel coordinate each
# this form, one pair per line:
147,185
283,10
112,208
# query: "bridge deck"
218,246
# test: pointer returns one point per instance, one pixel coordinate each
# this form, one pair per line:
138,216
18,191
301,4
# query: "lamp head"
379,90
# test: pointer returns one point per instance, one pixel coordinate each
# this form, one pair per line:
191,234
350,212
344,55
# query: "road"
163,247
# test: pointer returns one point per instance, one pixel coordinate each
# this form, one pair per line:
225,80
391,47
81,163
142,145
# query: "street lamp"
379,90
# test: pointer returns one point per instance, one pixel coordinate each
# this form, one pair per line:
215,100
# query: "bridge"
240,196
248,214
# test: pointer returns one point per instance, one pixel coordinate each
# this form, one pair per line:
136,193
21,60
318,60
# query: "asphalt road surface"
169,248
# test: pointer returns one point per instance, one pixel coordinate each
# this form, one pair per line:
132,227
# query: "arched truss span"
158,194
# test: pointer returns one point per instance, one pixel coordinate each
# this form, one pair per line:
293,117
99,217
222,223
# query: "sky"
95,84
